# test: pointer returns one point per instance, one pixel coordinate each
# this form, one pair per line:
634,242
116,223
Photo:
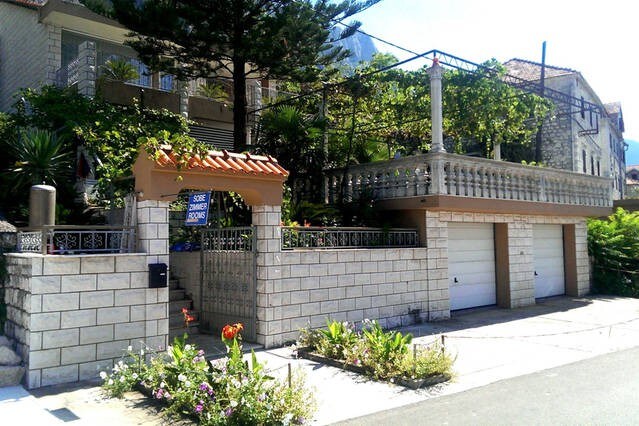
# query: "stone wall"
73,316
346,285
25,56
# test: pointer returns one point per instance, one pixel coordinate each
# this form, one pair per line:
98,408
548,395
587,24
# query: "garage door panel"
548,252
471,262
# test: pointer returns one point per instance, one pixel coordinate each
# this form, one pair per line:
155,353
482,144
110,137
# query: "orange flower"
230,331
184,310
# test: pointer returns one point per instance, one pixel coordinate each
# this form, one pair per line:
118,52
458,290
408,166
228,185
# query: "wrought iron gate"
228,285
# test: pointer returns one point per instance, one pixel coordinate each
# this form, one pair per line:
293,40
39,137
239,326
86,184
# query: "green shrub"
385,355
613,245
224,391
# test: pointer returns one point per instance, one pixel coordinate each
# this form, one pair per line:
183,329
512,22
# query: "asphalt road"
601,390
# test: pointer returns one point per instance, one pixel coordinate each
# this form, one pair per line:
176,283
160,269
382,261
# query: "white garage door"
471,265
548,252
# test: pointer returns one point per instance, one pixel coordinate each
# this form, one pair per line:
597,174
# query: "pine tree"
243,39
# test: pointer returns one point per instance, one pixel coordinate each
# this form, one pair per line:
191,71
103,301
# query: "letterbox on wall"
157,275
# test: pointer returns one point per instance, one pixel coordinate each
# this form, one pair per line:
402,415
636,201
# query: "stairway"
178,299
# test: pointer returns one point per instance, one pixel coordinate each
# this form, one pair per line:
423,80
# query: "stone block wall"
73,316
344,285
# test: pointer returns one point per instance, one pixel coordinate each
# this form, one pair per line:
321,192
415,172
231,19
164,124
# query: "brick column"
153,230
520,254
86,69
266,220
438,304
582,259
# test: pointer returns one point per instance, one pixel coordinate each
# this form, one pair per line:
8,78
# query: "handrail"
458,175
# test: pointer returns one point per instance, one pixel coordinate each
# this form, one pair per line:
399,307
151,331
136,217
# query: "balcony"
451,181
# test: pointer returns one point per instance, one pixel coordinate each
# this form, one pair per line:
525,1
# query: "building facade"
62,43
583,134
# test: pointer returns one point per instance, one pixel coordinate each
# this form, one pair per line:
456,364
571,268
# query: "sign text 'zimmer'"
197,212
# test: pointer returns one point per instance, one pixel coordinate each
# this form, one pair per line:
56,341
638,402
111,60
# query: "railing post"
437,171
435,73
86,69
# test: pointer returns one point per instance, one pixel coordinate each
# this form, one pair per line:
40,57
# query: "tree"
242,38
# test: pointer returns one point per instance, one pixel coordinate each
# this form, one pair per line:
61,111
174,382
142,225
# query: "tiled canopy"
257,178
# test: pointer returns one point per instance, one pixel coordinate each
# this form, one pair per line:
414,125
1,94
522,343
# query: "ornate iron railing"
328,238
458,175
68,239
240,238
69,75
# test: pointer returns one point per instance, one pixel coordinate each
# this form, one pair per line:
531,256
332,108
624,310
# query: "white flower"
162,384
233,403
110,381
122,379
103,375
129,348
181,377
187,383
134,375
141,352
187,347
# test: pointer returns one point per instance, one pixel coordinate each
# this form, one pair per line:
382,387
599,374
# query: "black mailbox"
157,275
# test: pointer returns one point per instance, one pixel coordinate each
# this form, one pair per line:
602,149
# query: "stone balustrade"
458,175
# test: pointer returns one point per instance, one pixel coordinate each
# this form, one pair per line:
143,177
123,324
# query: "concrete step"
175,306
174,284
179,294
177,319
193,330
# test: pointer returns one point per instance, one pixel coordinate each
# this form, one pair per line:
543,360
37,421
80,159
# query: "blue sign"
197,213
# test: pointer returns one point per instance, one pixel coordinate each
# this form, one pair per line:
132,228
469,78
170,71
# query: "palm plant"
39,157
119,70
213,91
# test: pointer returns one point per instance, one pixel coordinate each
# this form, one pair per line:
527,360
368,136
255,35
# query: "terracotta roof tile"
226,162
531,71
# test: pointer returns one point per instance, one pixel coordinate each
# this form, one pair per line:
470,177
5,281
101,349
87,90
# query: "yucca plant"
119,70
39,157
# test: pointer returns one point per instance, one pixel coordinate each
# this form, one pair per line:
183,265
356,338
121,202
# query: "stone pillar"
266,220
183,92
153,230
437,266
435,73
86,69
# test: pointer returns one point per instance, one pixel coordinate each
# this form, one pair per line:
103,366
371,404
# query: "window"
592,166
598,168
591,118
583,160
583,108
166,82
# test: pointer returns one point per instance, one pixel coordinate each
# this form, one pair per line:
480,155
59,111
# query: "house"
64,43
632,181
585,136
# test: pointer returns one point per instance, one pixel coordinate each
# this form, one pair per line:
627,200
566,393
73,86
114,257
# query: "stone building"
45,42
584,136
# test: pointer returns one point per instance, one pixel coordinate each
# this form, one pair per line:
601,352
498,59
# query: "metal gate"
228,285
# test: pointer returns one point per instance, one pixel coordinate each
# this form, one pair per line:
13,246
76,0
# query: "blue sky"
599,39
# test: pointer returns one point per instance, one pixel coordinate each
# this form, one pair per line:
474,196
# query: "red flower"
230,331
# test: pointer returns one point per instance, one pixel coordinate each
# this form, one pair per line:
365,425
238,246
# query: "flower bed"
383,355
224,391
